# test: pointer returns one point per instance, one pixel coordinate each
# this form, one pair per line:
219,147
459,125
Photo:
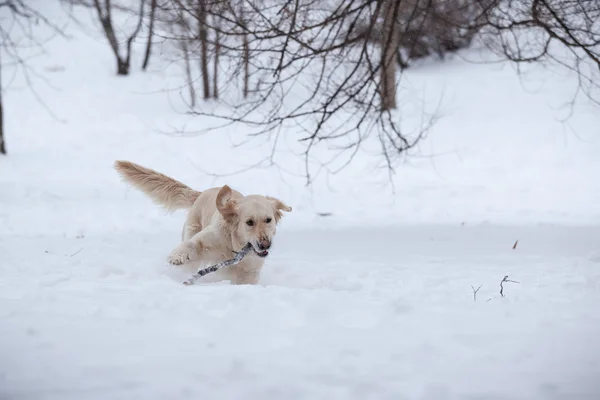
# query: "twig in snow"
515,245
77,252
475,291
502,287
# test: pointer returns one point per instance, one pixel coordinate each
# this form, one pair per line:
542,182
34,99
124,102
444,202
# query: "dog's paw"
183,253
178,259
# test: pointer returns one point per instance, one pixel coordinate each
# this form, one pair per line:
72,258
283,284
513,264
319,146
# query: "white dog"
220,220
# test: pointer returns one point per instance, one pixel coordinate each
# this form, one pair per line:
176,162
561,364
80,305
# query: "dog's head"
253,218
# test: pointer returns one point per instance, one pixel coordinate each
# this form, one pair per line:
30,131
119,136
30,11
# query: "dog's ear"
226,205
279,207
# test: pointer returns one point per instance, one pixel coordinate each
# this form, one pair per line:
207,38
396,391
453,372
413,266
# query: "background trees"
566,32
330,69
345,55
20,40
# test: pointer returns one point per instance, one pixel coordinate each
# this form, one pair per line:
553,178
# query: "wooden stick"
232,261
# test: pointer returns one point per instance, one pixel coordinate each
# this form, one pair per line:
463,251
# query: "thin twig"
475,291
77,252
502,287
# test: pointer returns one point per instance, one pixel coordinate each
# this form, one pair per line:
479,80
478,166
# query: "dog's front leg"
244,277
191,249
248,271
185,252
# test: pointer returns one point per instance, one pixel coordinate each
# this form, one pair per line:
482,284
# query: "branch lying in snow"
77,252
505,279
502,287
475,291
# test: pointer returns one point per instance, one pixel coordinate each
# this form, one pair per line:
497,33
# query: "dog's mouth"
261,254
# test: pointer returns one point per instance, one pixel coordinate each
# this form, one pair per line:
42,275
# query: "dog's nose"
264,244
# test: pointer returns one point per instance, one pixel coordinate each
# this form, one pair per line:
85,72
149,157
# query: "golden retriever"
220,221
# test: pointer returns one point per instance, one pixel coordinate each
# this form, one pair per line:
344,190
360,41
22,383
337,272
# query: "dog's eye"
250,222
268,220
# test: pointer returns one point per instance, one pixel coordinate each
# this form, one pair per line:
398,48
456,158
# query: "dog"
220,221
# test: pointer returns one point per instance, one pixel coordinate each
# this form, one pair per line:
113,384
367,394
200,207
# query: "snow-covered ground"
372,302
354,314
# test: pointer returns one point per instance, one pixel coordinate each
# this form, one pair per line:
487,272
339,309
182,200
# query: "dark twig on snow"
515,245
502,287
77,252
475,291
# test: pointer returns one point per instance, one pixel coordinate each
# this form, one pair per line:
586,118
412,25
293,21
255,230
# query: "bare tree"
389,49
217,50
203,43
18,22
152,17
349,84
201,16
428,27
245,51
566,32
177,27
188,74
104,12
183,43
2,144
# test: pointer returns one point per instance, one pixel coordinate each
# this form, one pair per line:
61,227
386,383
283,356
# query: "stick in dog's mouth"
239,255
250,247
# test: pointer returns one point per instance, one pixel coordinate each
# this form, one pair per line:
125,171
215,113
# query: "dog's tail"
165,191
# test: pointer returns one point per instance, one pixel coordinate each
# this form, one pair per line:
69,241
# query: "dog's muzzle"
262,247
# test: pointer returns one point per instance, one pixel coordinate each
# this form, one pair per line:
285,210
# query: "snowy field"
372,302
353,314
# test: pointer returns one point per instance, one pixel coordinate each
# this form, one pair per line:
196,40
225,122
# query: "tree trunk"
246,53
122,67
246,65
188,73
105,16
389,48
203,35
2,143
150,35
133,36
216,65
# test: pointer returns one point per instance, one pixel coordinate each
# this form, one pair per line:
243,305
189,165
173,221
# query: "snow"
374,301
371,314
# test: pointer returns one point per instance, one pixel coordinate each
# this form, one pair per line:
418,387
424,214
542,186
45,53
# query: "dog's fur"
219,222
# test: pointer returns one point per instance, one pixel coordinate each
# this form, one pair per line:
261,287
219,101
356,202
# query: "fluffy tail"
165,191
